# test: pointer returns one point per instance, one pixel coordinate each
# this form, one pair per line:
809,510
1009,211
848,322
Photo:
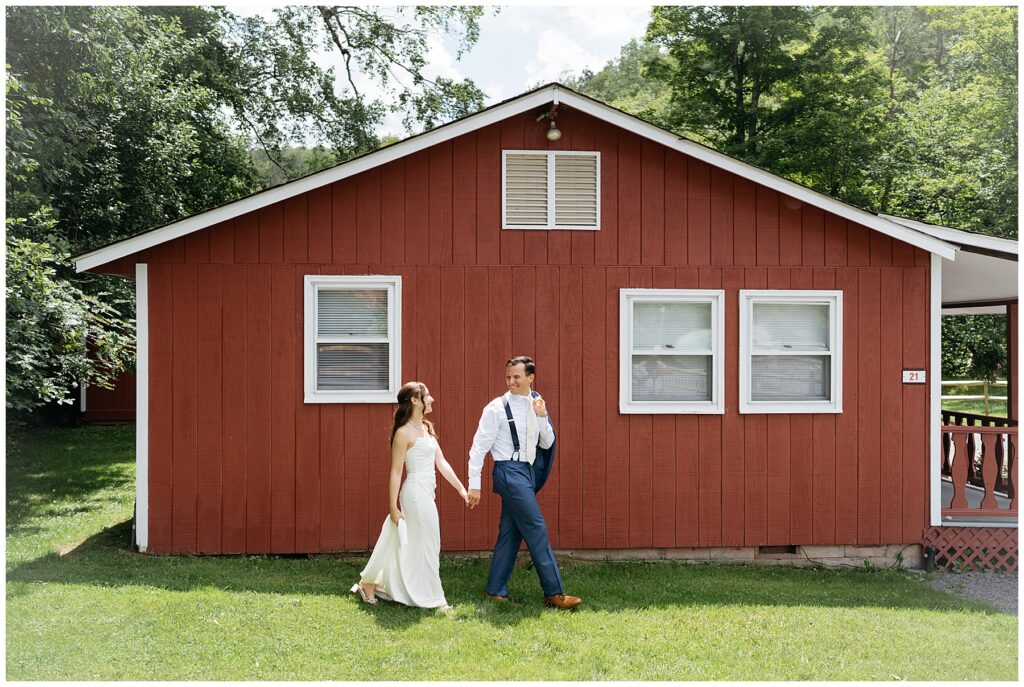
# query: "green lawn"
81,606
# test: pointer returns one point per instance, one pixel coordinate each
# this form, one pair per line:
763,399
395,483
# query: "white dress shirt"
492,434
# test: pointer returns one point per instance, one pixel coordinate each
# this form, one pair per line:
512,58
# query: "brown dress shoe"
563,601
495,597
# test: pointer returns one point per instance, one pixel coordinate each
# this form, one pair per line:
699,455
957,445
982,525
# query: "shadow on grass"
106,560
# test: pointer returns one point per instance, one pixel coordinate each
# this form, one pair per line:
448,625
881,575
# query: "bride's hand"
397,515
465,496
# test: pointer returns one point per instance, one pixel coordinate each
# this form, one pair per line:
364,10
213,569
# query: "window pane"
672,377
796,326
349,367
672,326
352,312
790,377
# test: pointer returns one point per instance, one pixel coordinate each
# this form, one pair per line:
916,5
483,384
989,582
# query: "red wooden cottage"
736,365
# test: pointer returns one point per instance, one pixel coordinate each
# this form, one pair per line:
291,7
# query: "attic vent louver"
551,189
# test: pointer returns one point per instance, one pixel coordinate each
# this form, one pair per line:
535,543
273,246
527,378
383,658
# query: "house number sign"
914,377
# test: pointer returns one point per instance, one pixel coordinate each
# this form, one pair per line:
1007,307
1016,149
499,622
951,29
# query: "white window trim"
551,189
393,285
716,298
142,406
834,299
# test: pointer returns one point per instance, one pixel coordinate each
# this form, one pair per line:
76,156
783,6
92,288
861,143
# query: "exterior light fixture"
553,133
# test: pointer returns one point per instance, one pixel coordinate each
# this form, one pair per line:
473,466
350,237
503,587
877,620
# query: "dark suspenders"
516,454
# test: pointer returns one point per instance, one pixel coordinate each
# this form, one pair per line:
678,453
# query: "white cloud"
557,52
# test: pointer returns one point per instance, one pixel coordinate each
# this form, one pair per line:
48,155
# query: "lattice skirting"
974,548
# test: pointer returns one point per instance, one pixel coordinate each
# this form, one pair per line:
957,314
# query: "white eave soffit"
491,115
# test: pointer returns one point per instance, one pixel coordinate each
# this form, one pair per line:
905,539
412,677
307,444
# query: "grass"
82,606
997,399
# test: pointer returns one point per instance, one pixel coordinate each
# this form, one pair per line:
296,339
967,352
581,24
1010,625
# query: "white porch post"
141,407
935,395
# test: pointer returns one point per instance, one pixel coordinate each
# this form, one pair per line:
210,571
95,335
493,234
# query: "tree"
626,83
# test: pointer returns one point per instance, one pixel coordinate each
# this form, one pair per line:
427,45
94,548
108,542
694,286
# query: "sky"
521,46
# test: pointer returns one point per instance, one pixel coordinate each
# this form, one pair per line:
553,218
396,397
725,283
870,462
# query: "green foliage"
974,346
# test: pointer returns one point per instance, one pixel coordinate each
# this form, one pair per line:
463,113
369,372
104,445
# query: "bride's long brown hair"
409,391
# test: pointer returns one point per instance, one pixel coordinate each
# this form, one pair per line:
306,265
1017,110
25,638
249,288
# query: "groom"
515,428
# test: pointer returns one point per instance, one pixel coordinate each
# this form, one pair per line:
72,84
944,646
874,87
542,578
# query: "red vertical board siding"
258,428
835,240
296,223
733,450
755,444
891,407
584,126
880,247
687,458
710,451
197,247
675,208
813,244
511,240
779,447
320,223
824,450
641,454
857,251
767,226
282,410
236,403
597,405
271,221
480,374
161,351
307,431
868,413
698,205
172,252
663,468
185,391
210,408
606,242
916,454
359,514
790,234
488,195
343,221
630,195
464,199
570,407
368,231
417,204
439,209
801,466
499,349
902,254
535,243
722,204
334,476
453,367
847,425
652,183
392,212
744,222
617,462
247,239
539,321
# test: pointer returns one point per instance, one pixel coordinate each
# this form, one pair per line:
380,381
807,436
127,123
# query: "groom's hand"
474,498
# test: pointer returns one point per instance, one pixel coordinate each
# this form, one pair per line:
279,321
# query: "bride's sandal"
358,589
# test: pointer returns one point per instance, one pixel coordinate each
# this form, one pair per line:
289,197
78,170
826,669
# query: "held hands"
540,407
473,498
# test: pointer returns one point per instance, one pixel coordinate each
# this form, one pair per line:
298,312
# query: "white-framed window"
791,351
550,189
671,351
352,347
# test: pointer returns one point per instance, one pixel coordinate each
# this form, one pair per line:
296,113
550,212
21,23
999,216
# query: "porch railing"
980,464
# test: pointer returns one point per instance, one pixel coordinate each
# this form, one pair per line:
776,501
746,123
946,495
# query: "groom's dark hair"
526,361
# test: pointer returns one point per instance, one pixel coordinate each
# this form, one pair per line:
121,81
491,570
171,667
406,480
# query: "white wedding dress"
407,572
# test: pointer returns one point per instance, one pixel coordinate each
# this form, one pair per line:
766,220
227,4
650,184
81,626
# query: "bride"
404,564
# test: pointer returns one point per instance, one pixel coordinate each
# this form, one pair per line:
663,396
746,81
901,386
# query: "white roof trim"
534,99
958,236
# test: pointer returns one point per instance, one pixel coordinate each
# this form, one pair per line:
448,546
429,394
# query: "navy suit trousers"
520,519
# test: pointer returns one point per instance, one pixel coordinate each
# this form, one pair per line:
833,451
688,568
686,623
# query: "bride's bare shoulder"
404,436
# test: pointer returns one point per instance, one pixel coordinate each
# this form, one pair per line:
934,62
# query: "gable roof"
535,99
